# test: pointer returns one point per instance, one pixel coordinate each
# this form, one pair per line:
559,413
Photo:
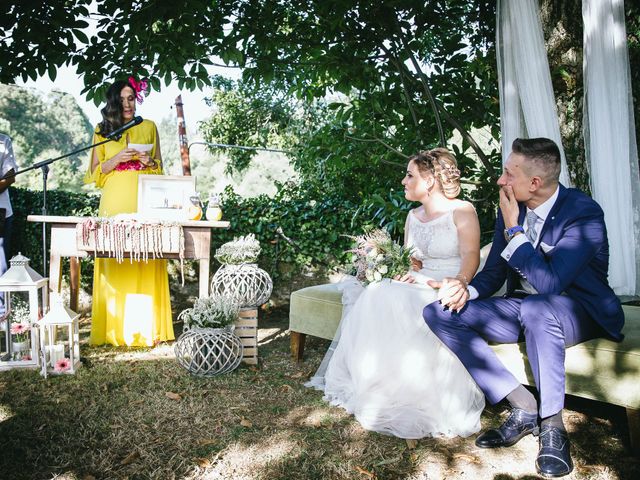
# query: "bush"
300,230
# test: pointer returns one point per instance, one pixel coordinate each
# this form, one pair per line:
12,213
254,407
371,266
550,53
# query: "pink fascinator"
139,87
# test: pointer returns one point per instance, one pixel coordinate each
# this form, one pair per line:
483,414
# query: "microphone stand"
44,167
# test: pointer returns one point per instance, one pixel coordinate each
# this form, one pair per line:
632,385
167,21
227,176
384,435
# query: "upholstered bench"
598,369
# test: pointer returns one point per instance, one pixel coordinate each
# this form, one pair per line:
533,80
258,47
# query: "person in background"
131,302
7,167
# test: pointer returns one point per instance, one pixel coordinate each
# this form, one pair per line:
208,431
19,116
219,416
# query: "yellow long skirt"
131,301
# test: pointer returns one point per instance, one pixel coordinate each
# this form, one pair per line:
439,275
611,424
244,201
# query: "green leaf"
80,35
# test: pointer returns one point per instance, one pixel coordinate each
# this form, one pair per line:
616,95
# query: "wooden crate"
247,330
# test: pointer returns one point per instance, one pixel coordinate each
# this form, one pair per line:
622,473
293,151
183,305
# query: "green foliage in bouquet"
210,312
377,256
241,250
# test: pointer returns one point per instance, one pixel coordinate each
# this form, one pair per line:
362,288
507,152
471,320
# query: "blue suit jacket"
572,257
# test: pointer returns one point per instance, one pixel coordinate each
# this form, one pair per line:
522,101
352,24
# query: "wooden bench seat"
599,369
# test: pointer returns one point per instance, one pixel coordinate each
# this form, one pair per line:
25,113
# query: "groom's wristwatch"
509,233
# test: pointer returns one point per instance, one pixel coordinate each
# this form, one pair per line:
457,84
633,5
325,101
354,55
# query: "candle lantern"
59,340
19,319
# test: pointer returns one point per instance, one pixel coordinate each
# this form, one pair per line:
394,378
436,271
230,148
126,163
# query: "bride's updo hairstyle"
440,163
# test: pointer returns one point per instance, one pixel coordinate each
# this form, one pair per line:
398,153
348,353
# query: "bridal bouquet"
377,256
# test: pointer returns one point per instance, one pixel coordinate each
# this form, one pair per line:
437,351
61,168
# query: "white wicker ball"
247,284
208,351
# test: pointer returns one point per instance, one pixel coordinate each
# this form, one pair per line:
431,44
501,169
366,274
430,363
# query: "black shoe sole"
535,432
511,443
552,475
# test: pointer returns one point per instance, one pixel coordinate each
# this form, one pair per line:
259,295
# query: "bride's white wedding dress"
386,367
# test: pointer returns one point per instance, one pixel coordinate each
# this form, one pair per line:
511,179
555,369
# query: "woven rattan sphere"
208,351
247,284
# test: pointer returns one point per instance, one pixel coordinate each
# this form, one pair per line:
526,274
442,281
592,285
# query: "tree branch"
467,136
423,80
382,142
451,120
405,90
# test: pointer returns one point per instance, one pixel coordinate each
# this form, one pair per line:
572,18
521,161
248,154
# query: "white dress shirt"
542,211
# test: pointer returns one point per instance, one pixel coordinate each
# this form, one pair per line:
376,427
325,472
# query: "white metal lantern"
247,284
20,346
59,340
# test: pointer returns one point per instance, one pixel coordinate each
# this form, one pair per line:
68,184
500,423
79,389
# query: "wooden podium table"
197,244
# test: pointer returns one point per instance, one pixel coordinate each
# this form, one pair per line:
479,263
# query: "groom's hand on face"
509,206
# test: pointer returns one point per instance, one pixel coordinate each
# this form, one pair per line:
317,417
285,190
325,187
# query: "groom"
550,245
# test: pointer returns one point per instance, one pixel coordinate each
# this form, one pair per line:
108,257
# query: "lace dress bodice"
435,242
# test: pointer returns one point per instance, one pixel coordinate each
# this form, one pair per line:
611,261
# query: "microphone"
117,133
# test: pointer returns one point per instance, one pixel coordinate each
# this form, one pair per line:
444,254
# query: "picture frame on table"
165,197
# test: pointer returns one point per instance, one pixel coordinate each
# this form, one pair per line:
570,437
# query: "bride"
385,366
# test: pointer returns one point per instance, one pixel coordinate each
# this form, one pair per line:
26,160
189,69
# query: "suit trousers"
547,323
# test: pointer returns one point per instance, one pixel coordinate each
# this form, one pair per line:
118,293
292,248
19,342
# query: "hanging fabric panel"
527,101
610,141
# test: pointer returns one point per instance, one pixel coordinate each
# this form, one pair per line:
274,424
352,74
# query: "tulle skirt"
391,372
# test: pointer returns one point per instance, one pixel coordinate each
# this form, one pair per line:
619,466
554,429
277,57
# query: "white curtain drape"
610,141
527,101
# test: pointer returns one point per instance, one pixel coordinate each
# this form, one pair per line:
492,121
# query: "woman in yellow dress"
131,302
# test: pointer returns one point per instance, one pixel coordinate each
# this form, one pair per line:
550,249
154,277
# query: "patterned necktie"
531,233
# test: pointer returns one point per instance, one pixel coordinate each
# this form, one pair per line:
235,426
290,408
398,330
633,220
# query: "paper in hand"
141,147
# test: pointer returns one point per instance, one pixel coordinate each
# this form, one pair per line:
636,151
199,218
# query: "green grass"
113,419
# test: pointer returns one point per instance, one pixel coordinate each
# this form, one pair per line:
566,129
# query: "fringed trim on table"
141,239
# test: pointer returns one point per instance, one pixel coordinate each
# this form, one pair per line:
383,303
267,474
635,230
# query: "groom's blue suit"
568,269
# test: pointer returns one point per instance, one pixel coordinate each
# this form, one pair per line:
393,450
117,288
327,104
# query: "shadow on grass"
134,413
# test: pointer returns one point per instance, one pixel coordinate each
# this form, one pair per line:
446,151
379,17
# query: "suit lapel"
548,223
522,214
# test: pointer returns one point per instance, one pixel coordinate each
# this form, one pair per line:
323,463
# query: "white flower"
373,253
380,258
369,276
210,312
383,269
377,276
241,250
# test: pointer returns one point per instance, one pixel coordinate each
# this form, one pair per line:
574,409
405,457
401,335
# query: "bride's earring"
430,184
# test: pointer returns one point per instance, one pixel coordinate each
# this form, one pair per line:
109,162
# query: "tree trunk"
563,32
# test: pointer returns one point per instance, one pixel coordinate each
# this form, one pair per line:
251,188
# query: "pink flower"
62,365
130,165
139,87
20,331
19,328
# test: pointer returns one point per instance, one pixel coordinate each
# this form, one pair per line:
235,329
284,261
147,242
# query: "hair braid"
441,163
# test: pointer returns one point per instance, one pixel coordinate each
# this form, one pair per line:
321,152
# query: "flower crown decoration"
139,87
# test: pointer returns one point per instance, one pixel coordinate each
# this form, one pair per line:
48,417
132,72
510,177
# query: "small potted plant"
240,250
208,345
210,312
239,277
